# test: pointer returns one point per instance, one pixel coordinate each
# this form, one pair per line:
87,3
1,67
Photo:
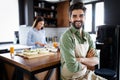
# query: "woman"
36,35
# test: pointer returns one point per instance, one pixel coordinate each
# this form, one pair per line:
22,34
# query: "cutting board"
35,55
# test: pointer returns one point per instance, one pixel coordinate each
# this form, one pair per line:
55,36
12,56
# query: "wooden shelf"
55,14
48,18
44,9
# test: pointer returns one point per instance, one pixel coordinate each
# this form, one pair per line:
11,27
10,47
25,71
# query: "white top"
35,35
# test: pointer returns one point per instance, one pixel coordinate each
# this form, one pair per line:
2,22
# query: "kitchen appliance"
109,38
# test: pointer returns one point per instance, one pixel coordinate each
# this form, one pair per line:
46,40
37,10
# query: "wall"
50,32
112,16
26,12
9,19
112,12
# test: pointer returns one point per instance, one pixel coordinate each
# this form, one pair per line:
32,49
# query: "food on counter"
39,51
35,51
32,53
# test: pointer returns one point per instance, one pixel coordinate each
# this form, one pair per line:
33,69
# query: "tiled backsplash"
50,32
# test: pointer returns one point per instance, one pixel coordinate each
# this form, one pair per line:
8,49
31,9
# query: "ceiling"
54,1
72,1
84,1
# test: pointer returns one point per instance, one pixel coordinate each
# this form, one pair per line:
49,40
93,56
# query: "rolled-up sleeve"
67,53
91,46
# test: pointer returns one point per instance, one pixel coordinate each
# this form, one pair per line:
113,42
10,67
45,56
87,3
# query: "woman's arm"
41,44
29,39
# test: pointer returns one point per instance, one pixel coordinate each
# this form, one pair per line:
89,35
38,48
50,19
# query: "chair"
106,73
108,43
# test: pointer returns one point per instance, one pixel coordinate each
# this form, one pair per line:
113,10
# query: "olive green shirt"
67,47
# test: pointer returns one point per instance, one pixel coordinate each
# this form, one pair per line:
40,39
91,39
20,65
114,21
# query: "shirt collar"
78,31
74,30
35,29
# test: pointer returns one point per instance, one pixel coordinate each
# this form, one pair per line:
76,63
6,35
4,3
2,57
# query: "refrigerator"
108,37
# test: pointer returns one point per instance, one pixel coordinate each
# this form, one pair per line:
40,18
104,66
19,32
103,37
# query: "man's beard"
77,24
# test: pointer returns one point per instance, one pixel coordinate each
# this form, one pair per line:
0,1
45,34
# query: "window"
88,22
94,16
99,17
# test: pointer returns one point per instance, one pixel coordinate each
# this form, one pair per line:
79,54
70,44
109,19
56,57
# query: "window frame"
93,15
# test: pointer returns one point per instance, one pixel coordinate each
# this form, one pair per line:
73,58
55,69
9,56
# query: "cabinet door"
55,14
62,14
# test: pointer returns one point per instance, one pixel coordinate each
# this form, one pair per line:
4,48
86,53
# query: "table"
16,46
32,66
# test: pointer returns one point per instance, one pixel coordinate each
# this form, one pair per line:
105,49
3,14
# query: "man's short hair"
77,5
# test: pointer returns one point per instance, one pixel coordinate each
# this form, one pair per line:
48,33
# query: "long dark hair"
37,20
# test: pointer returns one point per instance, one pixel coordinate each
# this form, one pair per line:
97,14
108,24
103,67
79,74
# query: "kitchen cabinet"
47,10
63,14
55,14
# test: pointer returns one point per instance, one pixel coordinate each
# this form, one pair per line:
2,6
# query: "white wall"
50,32
23,30
9,19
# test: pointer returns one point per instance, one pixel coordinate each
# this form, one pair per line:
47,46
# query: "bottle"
35,14
52,7
43,5
39,5
51,14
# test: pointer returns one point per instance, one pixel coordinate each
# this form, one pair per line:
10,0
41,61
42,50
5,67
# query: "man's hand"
90,61
91,53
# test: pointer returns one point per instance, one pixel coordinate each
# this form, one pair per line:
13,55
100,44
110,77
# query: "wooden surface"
62,14
31,64
36,55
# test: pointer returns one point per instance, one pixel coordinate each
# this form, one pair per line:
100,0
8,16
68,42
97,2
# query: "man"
76,47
